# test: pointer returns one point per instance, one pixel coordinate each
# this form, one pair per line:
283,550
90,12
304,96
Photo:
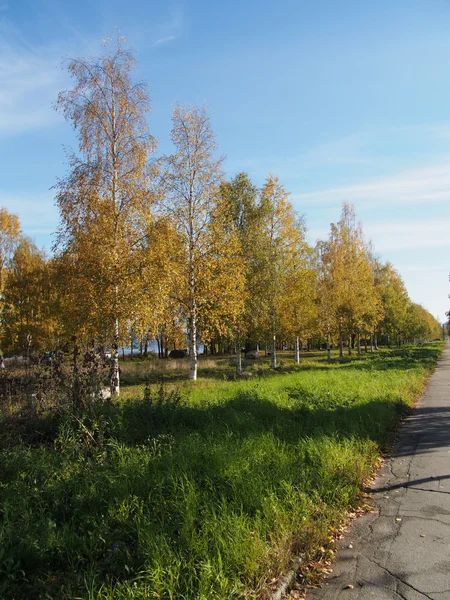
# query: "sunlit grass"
207,495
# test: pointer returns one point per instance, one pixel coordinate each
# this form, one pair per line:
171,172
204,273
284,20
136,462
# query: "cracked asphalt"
402,549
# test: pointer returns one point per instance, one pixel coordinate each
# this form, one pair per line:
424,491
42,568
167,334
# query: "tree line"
167,248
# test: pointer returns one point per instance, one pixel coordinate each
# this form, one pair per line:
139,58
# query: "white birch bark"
193,359
274,352
115,373
297,350
238,358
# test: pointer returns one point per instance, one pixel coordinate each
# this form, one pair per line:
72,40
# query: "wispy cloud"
408,235
36,211
388,236
347,150
165,40
172,28
378,148
427,184
4,6
30,79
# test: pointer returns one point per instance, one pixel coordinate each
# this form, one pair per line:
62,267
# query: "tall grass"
204,496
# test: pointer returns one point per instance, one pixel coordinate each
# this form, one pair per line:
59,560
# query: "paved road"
402,550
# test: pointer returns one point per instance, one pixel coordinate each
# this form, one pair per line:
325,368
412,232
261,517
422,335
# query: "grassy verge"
207,495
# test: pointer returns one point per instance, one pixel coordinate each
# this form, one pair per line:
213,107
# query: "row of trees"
167,248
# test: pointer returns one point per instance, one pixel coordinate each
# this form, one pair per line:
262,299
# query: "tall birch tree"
280,243
103,201
241,200
192,177
346,284
299,299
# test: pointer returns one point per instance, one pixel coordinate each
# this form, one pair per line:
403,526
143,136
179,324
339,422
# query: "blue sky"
344,101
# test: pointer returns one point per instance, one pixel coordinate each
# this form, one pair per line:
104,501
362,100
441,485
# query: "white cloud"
389,236
165,40
36,211
410,235
379,148
422,185
172,28
30,79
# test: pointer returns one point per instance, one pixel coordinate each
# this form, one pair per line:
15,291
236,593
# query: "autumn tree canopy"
169,249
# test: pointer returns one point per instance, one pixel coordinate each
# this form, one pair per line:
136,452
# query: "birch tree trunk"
238,357
274,352
328,346
76,380
358,346
376,341
297,350
193,343
341,343
115,374
371,343
350,344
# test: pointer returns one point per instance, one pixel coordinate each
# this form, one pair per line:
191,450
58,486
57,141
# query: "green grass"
208,497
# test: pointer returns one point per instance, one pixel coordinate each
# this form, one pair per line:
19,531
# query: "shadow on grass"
247,414
153,487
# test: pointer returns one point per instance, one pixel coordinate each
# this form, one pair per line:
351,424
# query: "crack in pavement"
396,592
398,579
411,517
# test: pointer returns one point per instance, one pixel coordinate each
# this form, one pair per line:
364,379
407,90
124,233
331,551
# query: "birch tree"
299,299
192,178
242,205
347,289
279,245
395,301
103,201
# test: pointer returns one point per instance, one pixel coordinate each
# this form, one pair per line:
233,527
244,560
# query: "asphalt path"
402,549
